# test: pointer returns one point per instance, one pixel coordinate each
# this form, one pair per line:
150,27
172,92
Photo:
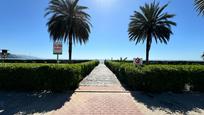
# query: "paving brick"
99,103
100,93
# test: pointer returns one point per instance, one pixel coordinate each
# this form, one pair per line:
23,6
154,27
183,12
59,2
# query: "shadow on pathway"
33,102
183,102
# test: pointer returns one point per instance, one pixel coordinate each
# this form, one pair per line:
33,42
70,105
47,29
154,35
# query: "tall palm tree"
150,23
68,22
199,5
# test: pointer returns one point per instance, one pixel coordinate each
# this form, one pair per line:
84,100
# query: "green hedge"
56,77
159,78
49,61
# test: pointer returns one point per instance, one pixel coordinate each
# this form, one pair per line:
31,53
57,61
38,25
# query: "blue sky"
23,30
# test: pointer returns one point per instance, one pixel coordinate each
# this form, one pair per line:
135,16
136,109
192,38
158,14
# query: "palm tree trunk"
148,46
70,48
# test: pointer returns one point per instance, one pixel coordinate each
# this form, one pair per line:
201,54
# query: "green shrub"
54,77
197,79
159,78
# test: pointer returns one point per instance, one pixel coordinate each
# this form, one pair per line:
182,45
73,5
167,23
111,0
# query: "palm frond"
203,56
199,6
67,18
151,21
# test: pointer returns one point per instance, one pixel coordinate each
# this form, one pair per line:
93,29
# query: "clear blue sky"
23,30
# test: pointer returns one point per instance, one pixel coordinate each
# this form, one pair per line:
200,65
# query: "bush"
50,61
197,78
159,78
56,77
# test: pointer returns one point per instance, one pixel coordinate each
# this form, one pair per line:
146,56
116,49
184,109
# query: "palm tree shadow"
182,102
33,102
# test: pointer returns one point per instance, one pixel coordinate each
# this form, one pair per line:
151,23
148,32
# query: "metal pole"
57,58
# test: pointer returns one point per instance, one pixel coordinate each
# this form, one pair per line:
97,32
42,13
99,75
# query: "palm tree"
199,5
68,22
150,23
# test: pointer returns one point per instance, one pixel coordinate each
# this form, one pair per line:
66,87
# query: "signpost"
137,61
57,49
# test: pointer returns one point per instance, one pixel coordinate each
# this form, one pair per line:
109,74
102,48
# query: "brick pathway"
100,93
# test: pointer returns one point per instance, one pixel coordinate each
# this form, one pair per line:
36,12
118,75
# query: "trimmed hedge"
156,62
159,78
49,61
55,77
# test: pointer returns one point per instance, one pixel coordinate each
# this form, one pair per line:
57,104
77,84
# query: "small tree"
203,56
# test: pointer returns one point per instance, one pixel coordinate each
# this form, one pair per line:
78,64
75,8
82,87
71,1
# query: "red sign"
57,48
138,61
